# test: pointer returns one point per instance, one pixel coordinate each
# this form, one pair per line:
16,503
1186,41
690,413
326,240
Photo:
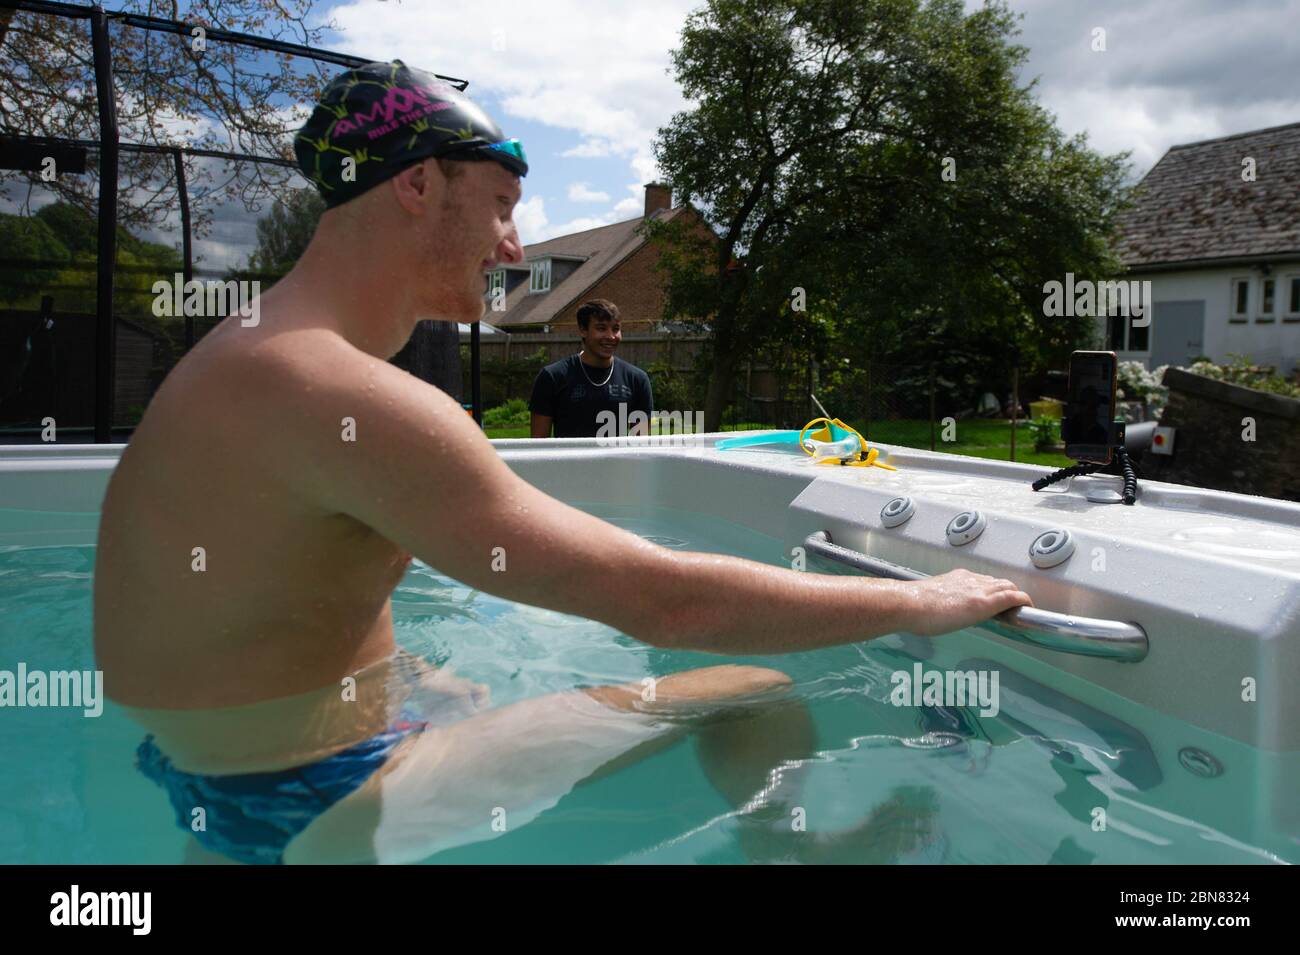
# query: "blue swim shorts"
251,817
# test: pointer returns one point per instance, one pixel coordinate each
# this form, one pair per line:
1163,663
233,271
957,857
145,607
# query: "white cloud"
598,70
1149,120
581,192
590,149
1146,123
1171,73
628,209
530,219
539,229
645,168
633,205
580,224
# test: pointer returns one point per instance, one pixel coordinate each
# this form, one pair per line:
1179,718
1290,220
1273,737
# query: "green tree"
79,231
24,240
65,239
74,226
816,149
283,234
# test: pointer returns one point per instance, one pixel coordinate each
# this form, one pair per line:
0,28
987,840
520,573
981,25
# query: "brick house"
615,262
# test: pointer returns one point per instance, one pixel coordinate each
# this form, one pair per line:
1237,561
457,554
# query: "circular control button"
965,527
1051,548
898,511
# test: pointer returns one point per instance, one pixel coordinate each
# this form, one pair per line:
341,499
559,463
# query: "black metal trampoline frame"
14,149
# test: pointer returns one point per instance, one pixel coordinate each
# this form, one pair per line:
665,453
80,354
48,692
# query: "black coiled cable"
1130,476
1120,463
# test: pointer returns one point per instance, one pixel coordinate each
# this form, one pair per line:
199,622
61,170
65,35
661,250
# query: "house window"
539,279
1125,336
1291,289
1116,336
1139,336
1267,302
496,280
1240,299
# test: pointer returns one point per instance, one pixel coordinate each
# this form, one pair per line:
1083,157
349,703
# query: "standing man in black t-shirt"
572,392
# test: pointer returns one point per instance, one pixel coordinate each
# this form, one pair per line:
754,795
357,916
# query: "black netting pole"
182,190
866,411
49,371
1015,407
475,380
105,338
932,407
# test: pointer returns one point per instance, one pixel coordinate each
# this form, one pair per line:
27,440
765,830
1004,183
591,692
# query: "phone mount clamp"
1119,466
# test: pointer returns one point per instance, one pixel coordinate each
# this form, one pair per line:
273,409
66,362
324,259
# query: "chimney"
657,196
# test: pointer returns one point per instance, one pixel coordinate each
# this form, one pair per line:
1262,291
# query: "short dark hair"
597,308
450,167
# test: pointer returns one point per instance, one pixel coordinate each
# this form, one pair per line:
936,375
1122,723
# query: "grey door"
1177,332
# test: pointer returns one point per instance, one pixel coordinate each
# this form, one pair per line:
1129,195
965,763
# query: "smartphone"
1088,425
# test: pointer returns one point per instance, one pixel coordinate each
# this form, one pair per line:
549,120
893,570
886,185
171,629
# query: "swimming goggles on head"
508,152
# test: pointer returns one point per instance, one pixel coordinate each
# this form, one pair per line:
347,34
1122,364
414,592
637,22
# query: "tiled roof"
604,248
1193,205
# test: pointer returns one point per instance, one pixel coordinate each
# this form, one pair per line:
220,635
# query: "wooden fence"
47,369
509,365
680,351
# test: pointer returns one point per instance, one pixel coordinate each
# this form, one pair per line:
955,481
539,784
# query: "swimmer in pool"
283,477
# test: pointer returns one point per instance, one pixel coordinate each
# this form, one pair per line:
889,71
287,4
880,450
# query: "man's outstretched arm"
422,474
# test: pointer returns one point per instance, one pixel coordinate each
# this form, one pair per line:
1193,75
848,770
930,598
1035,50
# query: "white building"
1216,229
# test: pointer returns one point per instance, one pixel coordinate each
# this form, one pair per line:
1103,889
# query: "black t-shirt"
564,391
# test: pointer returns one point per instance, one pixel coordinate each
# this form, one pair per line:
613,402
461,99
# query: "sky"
586,83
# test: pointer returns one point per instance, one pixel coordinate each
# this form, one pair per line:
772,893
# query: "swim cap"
385,116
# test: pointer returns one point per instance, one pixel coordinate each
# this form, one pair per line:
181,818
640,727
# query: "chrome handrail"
1066,633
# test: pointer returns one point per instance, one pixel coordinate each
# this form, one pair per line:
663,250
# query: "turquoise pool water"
915,784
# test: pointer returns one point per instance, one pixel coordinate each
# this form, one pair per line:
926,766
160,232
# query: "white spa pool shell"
1186,604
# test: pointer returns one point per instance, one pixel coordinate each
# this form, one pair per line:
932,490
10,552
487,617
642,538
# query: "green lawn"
521,432
977,438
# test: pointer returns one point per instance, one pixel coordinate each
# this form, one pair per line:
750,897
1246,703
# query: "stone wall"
1210,448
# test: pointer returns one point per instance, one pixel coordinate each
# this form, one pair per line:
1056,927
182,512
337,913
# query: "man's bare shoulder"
318,374
274,362
288,377
340,418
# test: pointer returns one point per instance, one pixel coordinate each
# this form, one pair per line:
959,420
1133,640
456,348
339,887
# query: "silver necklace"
588,377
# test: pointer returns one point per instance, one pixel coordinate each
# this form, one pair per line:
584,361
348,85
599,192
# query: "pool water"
1065,772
